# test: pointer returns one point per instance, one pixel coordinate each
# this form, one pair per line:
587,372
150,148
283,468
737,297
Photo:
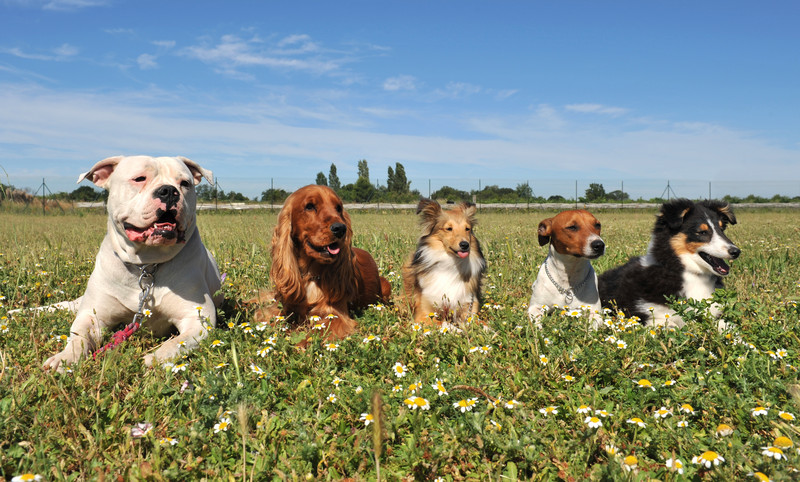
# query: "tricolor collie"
566,278
686,258
444,274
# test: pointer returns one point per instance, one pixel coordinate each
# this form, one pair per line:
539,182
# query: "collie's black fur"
685,258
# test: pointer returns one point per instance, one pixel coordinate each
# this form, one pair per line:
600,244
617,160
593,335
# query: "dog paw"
59,362
149,360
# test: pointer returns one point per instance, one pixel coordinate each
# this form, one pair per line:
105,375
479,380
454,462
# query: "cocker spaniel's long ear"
285,271
348,269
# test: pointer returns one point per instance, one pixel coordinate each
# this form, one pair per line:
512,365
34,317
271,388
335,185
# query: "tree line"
396,190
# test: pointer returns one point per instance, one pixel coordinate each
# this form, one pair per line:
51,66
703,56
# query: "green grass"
284,426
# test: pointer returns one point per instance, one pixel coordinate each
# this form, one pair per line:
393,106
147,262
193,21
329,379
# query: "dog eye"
572,228
466,229
339,209
310,207
184,183
139,179
597,226
448,228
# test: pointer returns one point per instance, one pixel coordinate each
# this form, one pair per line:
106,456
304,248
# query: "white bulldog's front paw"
149,360
60,361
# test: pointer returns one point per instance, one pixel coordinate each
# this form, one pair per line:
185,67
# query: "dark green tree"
401,183
363,190
363,169
595,192
85,193
333,179
274,196
321,179
390,179
524,191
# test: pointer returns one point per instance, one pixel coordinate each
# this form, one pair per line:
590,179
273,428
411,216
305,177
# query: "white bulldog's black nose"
168,194
338,229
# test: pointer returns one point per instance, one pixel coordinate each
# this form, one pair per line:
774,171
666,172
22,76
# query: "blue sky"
506,92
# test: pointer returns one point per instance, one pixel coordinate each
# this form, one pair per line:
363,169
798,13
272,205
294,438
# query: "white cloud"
232,51
457,90
147,61
505,94
400,82
61,53
65,129
166,44
596,109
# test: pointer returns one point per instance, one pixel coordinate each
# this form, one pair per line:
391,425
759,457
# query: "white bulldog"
151,224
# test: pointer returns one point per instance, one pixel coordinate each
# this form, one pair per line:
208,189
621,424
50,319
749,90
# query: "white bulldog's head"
151,200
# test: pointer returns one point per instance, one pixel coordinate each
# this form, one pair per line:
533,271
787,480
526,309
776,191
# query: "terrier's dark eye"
310,207
572,228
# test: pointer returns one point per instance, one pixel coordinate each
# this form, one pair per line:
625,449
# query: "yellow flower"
773,452
630,462
367,418
723,430
637,421
645,383
708,458
417,403
783,442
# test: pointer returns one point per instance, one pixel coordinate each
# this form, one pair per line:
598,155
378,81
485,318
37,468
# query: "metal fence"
567,189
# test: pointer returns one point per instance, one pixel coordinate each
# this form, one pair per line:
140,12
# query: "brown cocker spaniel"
315,269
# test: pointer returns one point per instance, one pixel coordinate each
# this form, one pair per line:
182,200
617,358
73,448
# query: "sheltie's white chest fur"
448,282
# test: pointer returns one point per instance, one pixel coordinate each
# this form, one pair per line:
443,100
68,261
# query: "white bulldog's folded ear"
100,172
198,172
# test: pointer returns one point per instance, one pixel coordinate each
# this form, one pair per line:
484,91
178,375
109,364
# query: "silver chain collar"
146,282
569,293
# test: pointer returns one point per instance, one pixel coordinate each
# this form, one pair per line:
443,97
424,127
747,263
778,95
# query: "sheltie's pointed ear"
429,211
672,213
723,209
544,231
469,211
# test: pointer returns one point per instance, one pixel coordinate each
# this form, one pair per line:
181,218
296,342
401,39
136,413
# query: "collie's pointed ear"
673,213
429,211
285,272
544,231
722,208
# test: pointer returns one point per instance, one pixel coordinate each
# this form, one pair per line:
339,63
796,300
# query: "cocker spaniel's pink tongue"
334,249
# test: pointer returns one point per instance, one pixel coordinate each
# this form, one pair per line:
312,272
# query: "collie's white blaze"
648,259
444,283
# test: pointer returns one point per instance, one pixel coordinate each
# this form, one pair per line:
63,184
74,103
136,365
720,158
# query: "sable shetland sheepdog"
444,274
685,258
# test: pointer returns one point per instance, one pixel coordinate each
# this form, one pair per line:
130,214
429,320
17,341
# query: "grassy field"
500,404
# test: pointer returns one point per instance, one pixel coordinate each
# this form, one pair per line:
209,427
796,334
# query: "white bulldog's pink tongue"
463,254
334,250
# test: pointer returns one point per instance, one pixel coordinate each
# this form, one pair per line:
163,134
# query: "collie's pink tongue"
334,250
463,254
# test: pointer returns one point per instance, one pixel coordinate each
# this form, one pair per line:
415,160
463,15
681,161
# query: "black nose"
168,194
338,229
734,252
464,245
598,246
